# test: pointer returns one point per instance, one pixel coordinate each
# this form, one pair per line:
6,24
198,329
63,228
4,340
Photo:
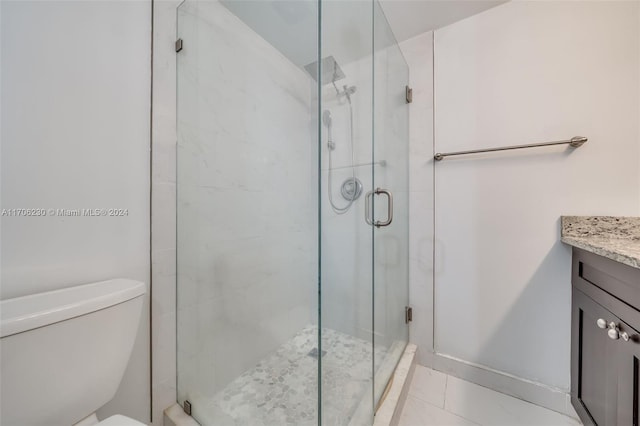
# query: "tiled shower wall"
284,199
246,198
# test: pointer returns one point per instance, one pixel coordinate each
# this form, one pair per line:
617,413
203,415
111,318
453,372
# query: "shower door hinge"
178,45
408,314
187,407
408,94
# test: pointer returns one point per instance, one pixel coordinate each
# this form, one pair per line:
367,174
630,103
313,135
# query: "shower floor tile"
282,388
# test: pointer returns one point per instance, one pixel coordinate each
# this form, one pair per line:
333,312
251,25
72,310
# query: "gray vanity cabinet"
595,386
605,344
628,386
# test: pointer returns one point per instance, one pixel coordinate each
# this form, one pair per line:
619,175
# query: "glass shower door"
364,245
390,213
346,239
247,212
290,300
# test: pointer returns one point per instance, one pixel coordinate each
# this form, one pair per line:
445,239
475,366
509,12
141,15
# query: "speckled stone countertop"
616,238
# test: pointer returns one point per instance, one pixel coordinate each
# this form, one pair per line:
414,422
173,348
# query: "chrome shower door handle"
389,207
367,208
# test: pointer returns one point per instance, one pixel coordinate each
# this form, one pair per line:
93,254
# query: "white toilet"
64,352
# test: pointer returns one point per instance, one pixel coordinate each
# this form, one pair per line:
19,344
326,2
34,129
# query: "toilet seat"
119,420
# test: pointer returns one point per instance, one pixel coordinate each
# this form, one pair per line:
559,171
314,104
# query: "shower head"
331,71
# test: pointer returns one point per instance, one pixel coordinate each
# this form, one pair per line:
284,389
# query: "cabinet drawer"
611,284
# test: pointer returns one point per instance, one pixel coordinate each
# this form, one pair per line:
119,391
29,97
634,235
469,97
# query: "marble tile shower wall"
246,198
346,238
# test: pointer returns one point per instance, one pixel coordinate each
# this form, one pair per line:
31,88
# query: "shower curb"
388,414
175,416
391,408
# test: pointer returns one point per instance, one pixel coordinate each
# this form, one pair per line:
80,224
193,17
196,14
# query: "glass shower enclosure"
292,203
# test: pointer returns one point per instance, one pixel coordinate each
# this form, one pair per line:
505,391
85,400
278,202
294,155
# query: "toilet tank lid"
25,313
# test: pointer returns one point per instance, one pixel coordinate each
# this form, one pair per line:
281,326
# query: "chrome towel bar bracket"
574,142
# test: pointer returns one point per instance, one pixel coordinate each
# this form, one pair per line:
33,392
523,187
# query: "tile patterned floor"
282,388
437,399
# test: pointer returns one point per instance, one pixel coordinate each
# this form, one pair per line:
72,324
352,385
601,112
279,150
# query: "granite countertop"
616,238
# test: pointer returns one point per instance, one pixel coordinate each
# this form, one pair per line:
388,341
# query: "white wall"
519,73
75,134
247,199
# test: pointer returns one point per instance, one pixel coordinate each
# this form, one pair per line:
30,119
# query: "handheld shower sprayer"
326,119
328,71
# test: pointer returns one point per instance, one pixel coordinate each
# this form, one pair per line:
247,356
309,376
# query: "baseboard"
537,393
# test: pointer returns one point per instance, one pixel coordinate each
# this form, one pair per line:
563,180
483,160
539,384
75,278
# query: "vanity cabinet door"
628,374
594,368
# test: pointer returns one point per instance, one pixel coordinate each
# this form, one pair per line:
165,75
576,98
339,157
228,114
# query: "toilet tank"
63,353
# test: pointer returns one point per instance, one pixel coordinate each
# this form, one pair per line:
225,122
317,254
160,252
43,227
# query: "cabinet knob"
613,330
614,333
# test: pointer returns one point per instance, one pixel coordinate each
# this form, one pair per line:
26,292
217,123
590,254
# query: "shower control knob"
601,323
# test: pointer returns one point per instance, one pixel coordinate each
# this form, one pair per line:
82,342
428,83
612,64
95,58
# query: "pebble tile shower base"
282,388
